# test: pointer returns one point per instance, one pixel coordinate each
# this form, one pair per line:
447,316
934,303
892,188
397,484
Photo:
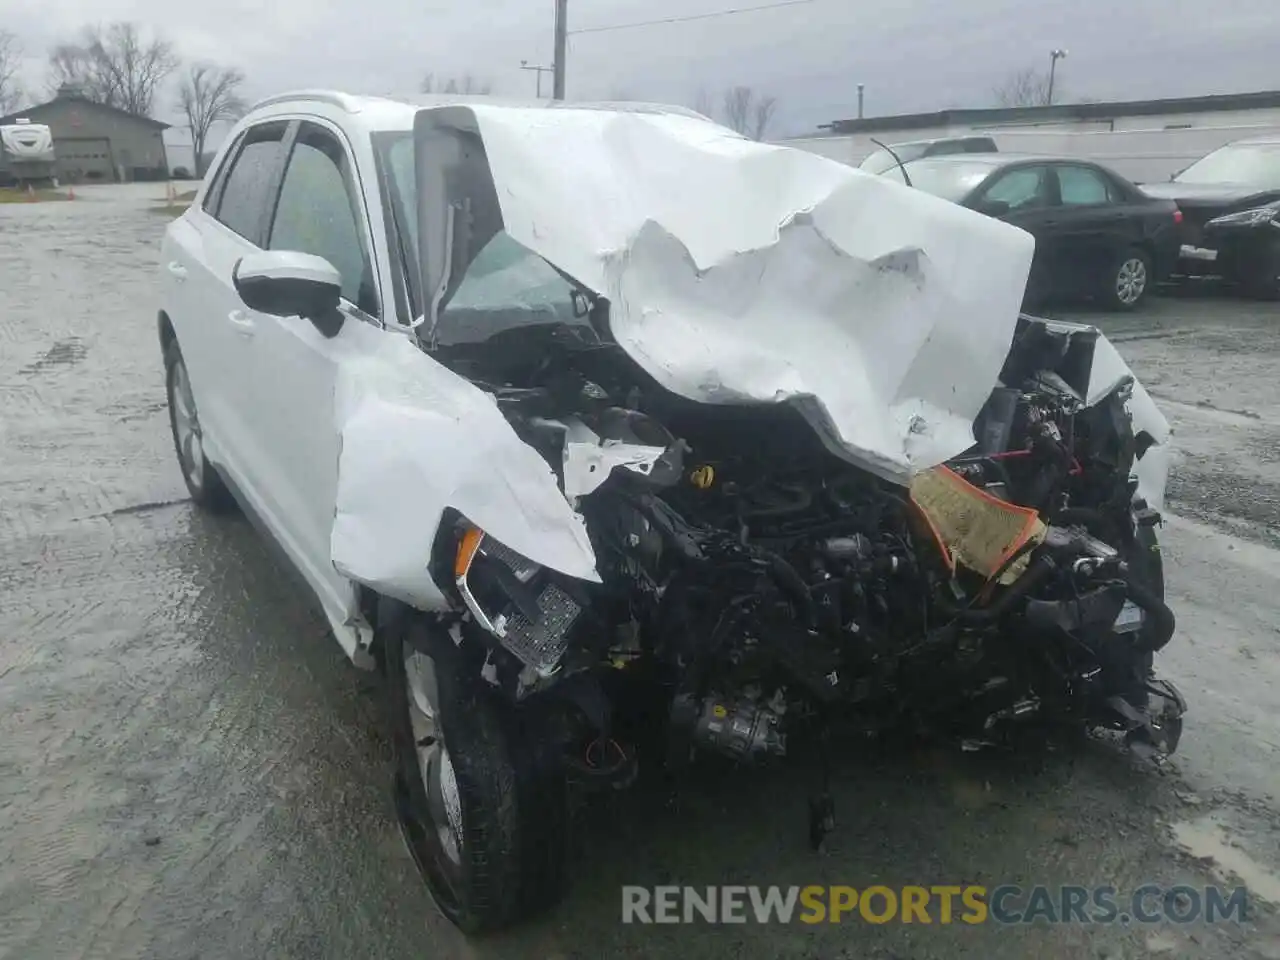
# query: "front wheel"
1147,563
1261,275
485,826
1128,281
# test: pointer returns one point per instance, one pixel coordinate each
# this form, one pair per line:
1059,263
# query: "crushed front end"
758,592
830,481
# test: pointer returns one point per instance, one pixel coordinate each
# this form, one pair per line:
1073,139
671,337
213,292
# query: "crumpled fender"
1152,470
417,439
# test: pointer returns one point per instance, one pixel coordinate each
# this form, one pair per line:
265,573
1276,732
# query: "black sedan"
1231,201
1096,233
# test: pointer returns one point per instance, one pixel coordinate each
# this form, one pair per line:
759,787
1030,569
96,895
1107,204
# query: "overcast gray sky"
911,54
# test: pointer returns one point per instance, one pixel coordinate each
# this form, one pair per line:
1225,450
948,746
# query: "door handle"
240,320
178,270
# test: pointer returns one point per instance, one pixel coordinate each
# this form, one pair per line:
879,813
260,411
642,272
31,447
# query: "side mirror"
285,283
994,208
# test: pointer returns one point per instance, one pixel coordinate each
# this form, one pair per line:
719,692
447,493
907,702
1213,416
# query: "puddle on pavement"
1211,837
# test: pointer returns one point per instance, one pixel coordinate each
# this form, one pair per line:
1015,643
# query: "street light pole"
561,42
1054,57
524,65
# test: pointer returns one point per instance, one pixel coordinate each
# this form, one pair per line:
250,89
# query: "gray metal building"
97,143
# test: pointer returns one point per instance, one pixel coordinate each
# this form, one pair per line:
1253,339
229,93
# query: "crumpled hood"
741,272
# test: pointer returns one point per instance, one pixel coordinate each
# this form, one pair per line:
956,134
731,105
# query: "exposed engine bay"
758,590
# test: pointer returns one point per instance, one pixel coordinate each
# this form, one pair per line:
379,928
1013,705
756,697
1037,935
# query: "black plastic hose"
1162,622
1037,574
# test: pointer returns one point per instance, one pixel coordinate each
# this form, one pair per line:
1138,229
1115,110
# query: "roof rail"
335,98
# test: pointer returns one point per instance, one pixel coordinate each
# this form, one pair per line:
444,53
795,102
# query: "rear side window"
246,189
1082,187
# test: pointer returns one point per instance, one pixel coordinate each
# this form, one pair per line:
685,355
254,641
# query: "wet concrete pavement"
190,768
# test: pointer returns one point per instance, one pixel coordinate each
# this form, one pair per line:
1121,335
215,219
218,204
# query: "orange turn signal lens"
467,551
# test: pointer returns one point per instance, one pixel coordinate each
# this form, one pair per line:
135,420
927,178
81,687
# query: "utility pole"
561,42
524,65
1054,57
861,87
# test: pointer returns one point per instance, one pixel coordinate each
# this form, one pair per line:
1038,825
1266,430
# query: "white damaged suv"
619,441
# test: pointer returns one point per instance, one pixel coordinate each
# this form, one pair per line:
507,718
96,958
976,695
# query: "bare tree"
10,58
746,113
209,95
763,114
1024,88
115,66
466,84
737,108
703,103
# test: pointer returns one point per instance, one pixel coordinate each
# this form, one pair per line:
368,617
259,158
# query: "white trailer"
26,153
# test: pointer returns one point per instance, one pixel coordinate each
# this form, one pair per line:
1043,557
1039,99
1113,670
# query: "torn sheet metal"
589,460
1152,470
417,439
743,272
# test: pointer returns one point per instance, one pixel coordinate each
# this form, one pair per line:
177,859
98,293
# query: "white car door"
200,251
294,368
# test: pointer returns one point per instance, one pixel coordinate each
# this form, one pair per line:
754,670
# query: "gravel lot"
190,768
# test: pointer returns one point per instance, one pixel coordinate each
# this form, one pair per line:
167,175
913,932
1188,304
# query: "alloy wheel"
435,768
1131,281
186,427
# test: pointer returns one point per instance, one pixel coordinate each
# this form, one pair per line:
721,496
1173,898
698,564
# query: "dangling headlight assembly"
516,600
1270,213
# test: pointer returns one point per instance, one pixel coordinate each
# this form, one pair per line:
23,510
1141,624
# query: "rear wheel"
202,479
1128,279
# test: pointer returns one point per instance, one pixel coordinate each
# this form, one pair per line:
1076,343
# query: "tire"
1128,280
492,843
203,481
1260,275
1148,564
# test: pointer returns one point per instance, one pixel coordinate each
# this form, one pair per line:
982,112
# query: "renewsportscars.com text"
940,904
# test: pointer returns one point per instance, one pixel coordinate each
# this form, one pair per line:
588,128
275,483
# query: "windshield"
506,286
950,179
1255,164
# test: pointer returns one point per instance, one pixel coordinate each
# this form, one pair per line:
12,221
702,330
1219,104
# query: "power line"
696,16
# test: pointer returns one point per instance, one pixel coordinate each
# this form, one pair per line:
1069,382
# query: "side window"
217,177
1082,186
317,213
1022,188
245,192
